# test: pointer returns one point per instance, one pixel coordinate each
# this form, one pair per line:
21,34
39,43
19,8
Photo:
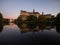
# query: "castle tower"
42,13
33,10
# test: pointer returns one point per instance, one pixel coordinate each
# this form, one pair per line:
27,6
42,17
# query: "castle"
24,14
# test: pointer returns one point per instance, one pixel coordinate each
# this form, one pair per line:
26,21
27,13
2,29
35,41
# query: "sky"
11,8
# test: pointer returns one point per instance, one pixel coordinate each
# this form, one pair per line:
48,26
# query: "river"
12,34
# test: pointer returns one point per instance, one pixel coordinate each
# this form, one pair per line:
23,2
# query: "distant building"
48,15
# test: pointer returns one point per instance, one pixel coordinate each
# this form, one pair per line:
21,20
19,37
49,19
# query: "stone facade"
24,14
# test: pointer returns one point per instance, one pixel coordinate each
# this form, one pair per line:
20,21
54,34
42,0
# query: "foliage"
3,20
1,15
41,19
58,19
18,20
31,21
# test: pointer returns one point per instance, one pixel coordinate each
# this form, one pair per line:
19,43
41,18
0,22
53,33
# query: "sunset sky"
12,8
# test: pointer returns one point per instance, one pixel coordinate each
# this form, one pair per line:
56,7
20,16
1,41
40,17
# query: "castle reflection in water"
36,28
24,28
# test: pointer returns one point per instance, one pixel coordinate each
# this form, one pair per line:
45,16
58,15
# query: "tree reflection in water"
34,28
1,27
38,37
58,28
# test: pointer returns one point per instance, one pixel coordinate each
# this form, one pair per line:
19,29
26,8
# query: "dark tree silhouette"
31,21
58,29
58,23
58,19
1,28
1,15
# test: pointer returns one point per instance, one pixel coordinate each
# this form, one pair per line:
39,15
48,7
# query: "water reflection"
36,28
33,28
40,33
1,27
26,33
58,28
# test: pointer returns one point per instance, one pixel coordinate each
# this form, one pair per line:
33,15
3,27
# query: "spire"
42,13
21,10
33,10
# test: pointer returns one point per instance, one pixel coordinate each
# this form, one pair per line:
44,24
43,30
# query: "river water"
12,34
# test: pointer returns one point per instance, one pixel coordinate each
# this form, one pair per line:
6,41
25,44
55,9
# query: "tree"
41,19
31,18
18,20
31,21
58,19
1,17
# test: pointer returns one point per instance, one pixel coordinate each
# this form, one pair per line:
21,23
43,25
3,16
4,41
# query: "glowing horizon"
11,8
